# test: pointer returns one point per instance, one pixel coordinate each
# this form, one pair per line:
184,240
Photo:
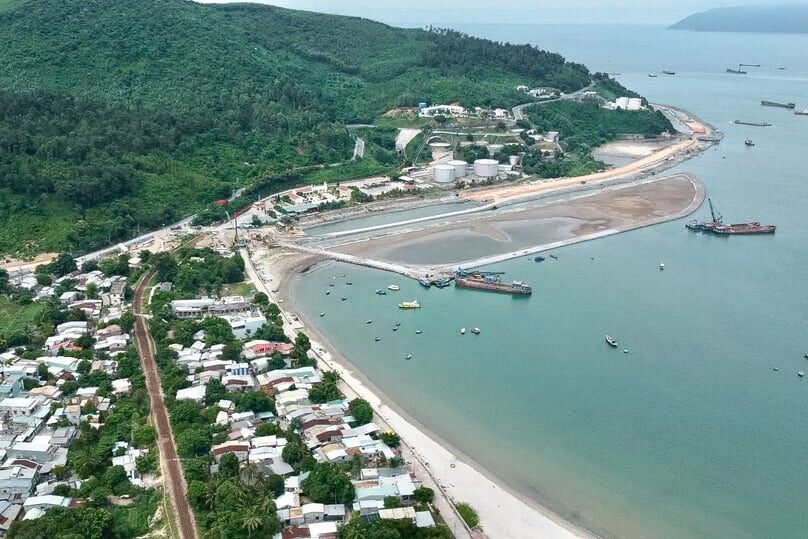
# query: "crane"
717,217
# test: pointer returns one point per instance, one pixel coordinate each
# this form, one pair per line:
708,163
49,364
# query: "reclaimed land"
517,232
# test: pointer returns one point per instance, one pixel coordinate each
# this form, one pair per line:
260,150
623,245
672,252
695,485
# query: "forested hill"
787,18
117,115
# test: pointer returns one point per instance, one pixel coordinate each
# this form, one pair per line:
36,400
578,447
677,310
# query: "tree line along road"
174,481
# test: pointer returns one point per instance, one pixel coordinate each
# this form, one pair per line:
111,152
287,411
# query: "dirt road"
184,524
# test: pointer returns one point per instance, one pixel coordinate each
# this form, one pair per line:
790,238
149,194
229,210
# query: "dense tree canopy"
119,116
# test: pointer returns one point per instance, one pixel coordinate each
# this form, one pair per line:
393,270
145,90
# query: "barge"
492,282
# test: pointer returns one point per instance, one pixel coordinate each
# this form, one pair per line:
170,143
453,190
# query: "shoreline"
453,455
438,463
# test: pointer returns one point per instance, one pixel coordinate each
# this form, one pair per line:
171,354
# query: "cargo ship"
776,104
754,124
491,281
716,226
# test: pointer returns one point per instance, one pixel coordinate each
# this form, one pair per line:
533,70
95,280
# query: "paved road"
175,487
517,110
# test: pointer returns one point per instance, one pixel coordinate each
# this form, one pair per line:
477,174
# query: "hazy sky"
448,12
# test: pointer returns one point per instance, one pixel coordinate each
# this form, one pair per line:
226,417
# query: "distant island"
787,18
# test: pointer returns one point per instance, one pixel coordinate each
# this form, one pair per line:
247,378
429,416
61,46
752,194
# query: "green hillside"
124,115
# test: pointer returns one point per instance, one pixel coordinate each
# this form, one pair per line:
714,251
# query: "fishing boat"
749,142
611,341
442,283
476,331
661,266
395,328
803,112
381,292
343,298
409,305
800,374
330,284
348,283
653,75
408,356
322,314
462,331
398,324
668,72
328,292
394,287
425,283
417,331
368,321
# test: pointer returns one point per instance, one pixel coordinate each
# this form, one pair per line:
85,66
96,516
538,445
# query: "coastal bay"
691,433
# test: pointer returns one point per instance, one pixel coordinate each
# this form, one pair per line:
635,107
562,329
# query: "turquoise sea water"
690,434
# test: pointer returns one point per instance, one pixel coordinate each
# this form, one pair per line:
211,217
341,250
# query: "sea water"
689,434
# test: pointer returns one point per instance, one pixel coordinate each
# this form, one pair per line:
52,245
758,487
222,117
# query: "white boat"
394,287
462,331
417,331
322,314
409,305
800,374
476,331
661,266
408,356
368,321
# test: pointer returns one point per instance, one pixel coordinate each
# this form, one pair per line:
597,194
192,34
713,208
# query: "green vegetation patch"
469,514
118,117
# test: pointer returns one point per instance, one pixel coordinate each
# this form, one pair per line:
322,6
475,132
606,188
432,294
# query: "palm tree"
252,519
211,487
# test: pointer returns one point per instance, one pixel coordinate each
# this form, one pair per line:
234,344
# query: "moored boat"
491,281
611,341
744,228
426,283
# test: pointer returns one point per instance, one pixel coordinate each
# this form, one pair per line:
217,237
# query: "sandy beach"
503,512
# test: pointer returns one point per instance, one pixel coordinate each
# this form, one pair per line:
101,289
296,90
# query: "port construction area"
437,246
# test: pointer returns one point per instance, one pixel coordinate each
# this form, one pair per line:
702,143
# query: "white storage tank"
486,168
460,167
443,173
494,149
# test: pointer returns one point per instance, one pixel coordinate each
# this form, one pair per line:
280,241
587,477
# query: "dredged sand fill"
615,209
